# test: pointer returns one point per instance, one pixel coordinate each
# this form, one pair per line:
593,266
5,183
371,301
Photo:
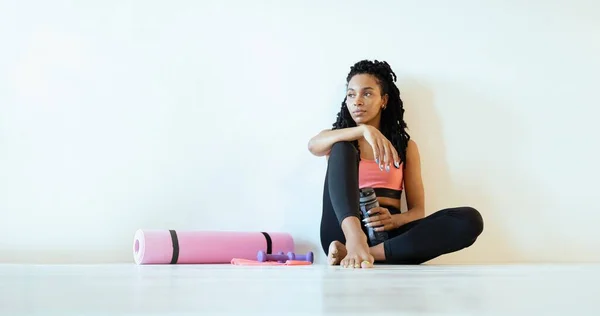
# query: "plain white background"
119,115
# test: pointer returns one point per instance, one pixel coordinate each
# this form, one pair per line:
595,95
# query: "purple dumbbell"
308,257
263,256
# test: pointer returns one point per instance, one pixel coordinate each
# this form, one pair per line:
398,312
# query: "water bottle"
368,200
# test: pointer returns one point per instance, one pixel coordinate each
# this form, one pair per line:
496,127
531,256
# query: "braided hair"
392,124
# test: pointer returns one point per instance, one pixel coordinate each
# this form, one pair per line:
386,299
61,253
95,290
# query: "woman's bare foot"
357,248
378,252
357,254
337,251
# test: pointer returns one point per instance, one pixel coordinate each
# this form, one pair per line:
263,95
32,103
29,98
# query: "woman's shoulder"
412,145
412,150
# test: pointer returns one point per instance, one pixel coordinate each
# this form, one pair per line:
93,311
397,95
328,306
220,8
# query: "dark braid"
392,125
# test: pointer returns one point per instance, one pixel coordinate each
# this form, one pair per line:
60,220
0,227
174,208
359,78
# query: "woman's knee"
473,220
344,149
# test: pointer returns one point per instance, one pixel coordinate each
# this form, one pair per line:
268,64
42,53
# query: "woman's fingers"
371,219
375,147
388,226
382,157
382,211
380,223
384,153
378,220
374,218
377,209
388,156
395,157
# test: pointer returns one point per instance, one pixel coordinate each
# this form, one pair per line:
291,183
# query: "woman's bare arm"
320,144
413,182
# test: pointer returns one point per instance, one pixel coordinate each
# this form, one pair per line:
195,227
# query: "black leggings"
442,232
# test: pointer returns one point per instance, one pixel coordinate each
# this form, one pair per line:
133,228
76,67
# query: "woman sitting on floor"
368,146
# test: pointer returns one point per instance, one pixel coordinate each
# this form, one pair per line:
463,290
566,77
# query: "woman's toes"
351,263
366,264
331,261
337,251
332,257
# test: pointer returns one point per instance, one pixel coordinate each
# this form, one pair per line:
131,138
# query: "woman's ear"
384,100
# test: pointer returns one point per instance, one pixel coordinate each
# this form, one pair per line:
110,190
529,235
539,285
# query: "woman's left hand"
380,219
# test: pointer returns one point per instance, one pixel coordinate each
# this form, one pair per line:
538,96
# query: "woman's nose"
358,101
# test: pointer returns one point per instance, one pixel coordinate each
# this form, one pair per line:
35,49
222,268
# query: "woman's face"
364,100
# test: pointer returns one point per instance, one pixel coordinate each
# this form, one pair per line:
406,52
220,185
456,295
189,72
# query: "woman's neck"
376,122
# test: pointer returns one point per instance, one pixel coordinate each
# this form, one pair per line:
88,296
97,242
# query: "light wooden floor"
127,289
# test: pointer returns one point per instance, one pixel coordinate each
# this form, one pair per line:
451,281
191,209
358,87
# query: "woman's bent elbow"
315,149
312,147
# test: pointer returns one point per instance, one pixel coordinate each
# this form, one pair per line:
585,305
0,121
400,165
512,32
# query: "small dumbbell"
280,257
263,256
308,257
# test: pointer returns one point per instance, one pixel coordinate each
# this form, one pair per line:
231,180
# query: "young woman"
368,146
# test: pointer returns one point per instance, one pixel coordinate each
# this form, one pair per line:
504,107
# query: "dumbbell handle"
263,256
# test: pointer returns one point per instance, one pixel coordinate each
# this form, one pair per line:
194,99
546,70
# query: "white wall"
116,115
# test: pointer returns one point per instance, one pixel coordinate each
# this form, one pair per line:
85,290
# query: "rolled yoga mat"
194,247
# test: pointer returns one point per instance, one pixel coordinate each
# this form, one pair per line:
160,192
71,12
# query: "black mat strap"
269,243
175,246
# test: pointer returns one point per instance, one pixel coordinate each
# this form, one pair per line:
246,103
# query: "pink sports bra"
369,175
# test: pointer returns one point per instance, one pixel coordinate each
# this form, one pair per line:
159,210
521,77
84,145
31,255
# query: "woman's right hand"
383,150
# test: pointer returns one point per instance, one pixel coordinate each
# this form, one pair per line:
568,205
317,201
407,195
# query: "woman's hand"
380,219
383,150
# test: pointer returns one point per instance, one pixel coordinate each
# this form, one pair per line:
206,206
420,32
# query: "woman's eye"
368,94
351,95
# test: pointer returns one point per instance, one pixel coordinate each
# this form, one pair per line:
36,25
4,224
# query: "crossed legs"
442,232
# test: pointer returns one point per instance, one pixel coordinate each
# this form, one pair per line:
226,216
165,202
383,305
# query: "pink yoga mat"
188,246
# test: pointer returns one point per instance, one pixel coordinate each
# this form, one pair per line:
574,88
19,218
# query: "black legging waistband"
392,209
